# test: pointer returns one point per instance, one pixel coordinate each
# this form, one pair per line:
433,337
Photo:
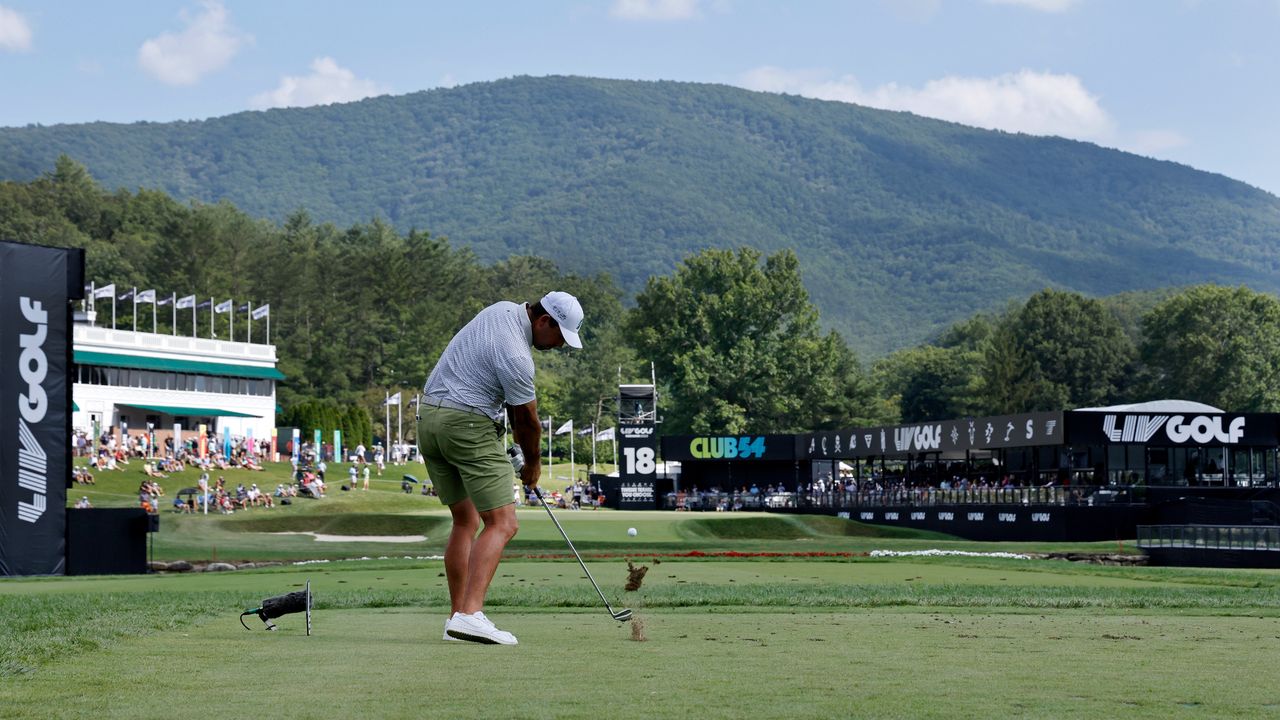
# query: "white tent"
1158,406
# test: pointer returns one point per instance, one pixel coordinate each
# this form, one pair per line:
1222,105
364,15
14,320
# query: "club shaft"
569,542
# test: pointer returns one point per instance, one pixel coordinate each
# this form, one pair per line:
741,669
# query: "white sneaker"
447,636
477,628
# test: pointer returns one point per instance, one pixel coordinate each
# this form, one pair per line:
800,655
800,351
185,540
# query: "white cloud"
327,83
1039,103
1049,6
655,9
207,43
15,33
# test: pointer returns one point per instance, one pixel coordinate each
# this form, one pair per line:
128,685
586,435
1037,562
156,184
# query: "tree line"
733,335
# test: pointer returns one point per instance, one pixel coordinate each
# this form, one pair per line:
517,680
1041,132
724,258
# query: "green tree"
1059,350
738,348
931,383
1215,345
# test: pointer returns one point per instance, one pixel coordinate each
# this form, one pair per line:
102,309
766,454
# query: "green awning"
84,357
190,411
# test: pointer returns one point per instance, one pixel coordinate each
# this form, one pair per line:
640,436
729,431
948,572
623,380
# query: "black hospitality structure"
1067,475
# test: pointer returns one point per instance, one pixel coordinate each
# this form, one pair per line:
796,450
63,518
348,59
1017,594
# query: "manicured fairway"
706,664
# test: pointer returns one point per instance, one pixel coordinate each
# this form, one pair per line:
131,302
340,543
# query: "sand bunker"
321,537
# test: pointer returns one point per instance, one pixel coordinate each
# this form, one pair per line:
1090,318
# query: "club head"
623,615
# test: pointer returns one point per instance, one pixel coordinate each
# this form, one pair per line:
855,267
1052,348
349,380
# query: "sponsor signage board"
35,404
684,448
1172,429
637,452
959,435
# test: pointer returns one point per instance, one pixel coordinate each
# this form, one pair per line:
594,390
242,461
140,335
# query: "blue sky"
1184,80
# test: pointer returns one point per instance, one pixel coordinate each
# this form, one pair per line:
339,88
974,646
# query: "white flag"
604,435
186,302
165,301
394,399
128,294
587,430
565,428
223,307
261,312
146,296
105,291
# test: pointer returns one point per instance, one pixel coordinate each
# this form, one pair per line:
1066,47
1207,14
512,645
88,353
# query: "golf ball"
631,532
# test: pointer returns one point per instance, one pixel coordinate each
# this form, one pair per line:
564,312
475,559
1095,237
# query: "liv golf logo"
32,406
1203,429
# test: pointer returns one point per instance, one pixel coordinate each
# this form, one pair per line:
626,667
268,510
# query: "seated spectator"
179,505
151,471
144,499
83,503
242,497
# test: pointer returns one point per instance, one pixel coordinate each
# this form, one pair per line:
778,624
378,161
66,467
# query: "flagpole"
135,308
573,467
174,302
399,422
211,314
551,462
153,315
386,436
249,339
231,320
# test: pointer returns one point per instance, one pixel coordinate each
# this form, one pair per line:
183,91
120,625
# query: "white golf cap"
567,312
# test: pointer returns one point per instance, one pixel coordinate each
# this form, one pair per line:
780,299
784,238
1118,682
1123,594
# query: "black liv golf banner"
35,403
637,452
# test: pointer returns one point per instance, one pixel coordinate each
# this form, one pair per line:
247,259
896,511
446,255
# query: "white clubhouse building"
124,378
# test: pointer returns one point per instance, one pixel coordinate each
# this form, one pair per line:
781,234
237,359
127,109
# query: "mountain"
903,224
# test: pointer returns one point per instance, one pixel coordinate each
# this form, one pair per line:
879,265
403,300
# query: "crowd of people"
159,459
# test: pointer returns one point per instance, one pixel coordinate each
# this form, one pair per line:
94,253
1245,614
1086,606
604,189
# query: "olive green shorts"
465,458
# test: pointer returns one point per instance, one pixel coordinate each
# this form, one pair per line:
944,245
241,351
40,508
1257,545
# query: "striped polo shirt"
489,362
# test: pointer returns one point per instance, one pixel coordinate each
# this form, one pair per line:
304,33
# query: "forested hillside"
903,225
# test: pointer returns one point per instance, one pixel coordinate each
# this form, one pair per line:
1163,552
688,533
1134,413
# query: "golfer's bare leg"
457,553
499,527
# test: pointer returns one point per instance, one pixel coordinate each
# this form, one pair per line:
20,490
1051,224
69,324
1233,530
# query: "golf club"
622,615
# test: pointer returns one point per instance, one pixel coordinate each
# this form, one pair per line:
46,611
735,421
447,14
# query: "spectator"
366,479
83,503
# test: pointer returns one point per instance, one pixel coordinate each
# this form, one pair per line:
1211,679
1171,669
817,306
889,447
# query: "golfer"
486,366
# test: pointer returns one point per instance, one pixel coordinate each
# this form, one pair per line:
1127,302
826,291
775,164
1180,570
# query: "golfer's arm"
527,429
